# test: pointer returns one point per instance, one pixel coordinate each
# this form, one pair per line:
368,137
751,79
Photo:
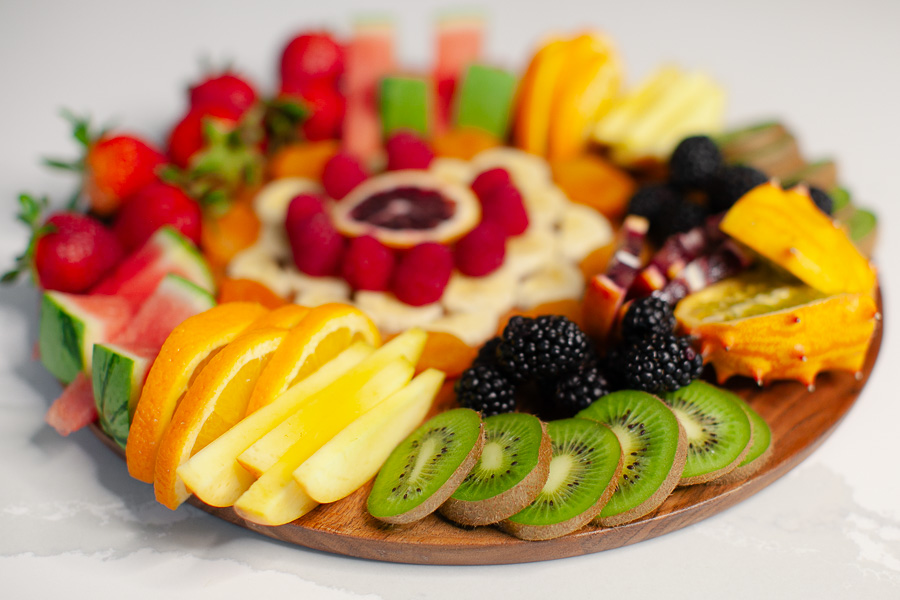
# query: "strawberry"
226,91
326,107
152,207
309,57
113,166
70,252
187,138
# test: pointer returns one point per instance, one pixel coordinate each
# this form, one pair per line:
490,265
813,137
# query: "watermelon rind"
117,380
188,258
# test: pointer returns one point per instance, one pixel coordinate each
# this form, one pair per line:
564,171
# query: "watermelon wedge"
167,251
75,408
120,367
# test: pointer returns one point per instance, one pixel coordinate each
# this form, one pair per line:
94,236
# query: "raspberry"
422,274
504,207
341,174
303,206
368,264
406,150
315,244
481,251
488,181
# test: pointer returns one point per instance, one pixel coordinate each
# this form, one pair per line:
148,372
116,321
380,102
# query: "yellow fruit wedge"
214,475
283,317
787,228
181,357
355,455
614,126
276,497
260,457
323,333
214,402
536,92
706,115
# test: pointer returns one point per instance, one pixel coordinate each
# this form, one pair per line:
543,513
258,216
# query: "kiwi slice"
719,431
422,472
654,445
511,471
586,463
760,450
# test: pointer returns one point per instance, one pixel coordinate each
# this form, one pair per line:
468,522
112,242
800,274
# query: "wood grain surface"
800,420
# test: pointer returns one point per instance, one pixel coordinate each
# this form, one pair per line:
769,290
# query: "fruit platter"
467,315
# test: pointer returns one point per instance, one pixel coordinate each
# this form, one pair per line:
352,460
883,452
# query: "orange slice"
183,354
215,401
536,93
285,317
324,333
247,290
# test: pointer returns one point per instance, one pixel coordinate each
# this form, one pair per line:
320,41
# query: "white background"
73,522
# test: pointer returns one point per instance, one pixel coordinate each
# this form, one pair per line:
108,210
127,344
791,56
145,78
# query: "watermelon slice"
459,43
369,57
75,408
167,251
121,366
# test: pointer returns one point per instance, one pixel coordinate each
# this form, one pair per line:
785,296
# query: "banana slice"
258,264
545,204
272,201
559,281
473,328
494,293
452,170
582,230
393,316
531,251
313,291
527,171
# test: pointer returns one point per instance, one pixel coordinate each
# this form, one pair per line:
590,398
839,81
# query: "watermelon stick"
459,40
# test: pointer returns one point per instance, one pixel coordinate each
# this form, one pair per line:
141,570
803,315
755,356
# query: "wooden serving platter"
800,420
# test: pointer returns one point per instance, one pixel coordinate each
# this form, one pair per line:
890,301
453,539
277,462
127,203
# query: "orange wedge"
536,92
247,290
216,400
285,317
183,354
323,334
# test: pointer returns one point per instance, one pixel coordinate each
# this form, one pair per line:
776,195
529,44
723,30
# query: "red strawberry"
226,91
422,274
341,174
316,245
326,106
308,57
187,137
75,253
152,207
368,264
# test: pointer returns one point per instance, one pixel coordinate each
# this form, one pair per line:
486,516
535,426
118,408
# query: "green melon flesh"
484,100
405,103
121,367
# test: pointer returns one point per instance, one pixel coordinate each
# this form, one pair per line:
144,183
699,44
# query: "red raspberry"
406,150
368,264
341,174
504,206
422,274
75,254
152,207
226,91
303,206
311,56
488,181
481,251
315,244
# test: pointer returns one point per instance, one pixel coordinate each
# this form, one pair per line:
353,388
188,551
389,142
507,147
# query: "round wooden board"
800,421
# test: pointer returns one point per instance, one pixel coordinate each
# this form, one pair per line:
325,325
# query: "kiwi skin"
440,496
549,532
660,495
504,504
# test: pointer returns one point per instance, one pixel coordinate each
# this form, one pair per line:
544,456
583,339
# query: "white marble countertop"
71,520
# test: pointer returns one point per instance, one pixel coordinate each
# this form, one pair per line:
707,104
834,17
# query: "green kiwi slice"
760,450
509,474
422,472
719,431
586,463
654,445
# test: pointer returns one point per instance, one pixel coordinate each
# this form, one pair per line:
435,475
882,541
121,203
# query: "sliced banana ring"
393,316
473,328
492,294
561,281
581,231
271,202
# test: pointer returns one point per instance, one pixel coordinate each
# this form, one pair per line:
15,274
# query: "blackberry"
647,315
732,182
653,202
487,354
485,389
822,200
578,389
694,162
542,348
659,363
682,217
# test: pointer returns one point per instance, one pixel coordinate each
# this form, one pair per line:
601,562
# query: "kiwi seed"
511,471
719,431
654,445
422,472
759,453
586,463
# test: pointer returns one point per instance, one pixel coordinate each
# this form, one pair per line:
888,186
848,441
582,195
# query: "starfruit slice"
768,327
